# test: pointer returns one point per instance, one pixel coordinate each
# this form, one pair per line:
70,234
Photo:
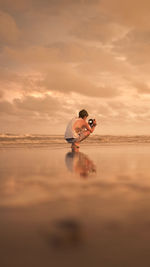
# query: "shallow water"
90,208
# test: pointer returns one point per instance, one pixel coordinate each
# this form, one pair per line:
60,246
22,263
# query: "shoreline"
63,146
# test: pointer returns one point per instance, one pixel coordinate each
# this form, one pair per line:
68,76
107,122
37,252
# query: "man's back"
70,130
80,125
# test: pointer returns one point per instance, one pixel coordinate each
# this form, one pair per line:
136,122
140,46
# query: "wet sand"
64,209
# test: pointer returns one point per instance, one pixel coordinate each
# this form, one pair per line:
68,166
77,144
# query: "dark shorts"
78,139
71,140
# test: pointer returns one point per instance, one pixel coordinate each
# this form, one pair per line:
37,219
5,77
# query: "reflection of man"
80,163
78,129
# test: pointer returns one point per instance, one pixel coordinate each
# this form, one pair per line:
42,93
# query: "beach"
59,208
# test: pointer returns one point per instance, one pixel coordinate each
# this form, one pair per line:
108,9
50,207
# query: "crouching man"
78,129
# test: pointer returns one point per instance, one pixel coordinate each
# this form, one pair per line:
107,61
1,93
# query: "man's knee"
87,133
83,136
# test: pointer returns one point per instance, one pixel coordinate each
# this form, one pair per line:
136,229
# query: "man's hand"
94,123
93,128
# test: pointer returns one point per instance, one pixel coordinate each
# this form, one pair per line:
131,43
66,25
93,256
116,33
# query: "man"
78,129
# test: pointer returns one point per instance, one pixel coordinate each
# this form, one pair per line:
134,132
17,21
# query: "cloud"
6,108
135,47
65,79
9,32
142,88
31,115
99,29
41,105
1,94
30,106
46,6
131,13
68,80
18,5
76,65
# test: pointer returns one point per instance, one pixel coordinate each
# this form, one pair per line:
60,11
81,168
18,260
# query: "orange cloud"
9,32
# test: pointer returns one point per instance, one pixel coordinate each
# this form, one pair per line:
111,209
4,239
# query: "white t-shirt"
70,133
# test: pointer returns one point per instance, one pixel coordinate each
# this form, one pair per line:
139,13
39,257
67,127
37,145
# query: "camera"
91,122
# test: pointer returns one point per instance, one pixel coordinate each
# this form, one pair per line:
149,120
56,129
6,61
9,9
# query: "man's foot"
75,148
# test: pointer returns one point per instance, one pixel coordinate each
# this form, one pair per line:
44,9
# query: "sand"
88,209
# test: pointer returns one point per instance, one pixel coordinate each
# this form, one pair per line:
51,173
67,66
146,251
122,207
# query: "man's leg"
76,145
83,135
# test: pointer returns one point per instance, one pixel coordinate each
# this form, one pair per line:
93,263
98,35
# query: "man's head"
83,113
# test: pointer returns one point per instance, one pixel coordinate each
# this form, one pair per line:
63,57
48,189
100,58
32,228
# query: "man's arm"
93,128
90,129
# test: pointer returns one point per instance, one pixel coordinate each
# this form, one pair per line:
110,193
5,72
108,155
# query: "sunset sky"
60,56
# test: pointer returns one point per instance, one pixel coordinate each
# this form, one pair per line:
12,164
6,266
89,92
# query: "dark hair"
83,113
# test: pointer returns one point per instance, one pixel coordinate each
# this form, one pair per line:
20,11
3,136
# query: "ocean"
13,140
